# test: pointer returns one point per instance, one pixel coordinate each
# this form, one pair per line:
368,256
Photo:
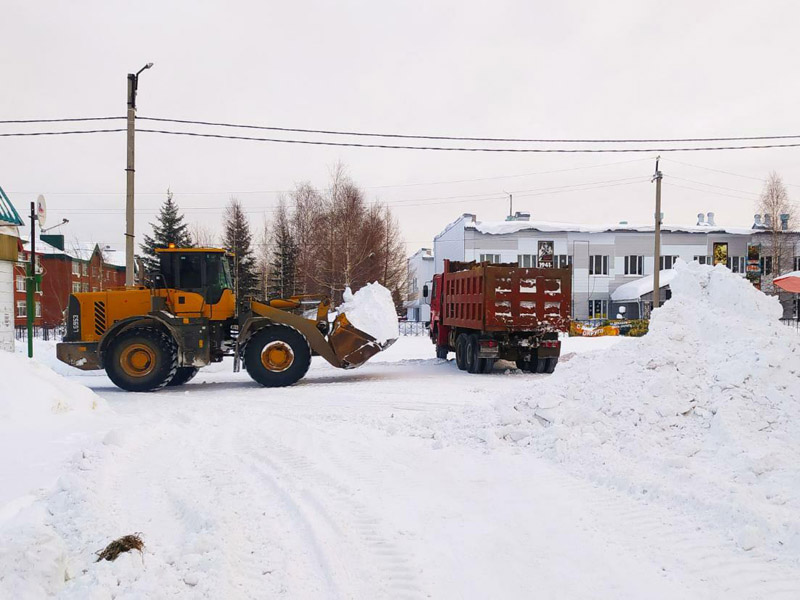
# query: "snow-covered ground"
407,478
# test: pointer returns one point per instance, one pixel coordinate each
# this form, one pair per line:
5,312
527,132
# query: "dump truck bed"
490,297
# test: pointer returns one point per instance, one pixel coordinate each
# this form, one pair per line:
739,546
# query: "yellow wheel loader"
148,337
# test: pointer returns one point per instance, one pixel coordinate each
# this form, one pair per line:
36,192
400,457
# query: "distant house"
83,268
420,271
9,237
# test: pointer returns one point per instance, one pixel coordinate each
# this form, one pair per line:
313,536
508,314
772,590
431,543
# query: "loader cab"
203,272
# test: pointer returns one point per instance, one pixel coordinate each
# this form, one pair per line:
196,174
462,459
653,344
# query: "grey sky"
519,69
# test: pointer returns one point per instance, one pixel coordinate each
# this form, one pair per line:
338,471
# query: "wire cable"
470,138
72,120
77,132
465,149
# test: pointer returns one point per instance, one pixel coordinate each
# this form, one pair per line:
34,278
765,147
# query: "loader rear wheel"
277,356
461,349
183,375
142,359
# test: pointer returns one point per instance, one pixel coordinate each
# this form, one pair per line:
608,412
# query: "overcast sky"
636,69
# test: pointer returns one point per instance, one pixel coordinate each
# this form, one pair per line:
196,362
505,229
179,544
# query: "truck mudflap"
488,349
549,349
81,355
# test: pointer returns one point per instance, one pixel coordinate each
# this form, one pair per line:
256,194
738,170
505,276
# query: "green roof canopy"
8,214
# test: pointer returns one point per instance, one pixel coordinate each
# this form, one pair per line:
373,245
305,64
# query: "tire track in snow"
347,537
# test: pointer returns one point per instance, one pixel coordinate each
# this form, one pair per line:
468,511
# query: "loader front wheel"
277,356
142,359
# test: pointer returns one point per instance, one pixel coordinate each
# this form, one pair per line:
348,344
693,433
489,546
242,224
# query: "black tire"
461,348
142,359
441,351
471,354
523,365
183,375
289,343
541,365
488,365
551,364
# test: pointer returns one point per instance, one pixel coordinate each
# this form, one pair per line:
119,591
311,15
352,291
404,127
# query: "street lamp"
133,84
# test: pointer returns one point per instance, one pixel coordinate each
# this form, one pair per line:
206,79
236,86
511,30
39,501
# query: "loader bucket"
352,346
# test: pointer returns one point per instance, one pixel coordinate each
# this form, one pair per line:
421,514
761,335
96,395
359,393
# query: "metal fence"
42,333
413,328
790,322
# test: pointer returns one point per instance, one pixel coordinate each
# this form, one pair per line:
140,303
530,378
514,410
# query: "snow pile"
371,309
32,391
704,408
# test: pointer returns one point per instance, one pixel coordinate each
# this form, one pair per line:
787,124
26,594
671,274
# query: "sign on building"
720,253
545,254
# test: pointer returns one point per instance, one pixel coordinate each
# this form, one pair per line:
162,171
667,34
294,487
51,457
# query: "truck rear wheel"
142,359
461,348
471,355
183,375
551,364
277,356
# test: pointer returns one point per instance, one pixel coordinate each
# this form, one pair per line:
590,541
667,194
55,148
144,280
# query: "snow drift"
705,407
32,391
371,309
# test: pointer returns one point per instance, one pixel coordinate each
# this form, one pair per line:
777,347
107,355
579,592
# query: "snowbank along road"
410,479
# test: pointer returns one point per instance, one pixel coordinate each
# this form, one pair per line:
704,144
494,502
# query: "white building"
420,271
9,239
603,257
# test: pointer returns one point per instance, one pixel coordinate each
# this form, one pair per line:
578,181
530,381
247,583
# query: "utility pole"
657,248
510,206
133,83
30,303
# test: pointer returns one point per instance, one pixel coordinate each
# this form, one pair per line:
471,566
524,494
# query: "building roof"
8,214
633,290
506,227
80,251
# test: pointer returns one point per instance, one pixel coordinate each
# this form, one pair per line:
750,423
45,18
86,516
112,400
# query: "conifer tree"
282,280
168,229
237,239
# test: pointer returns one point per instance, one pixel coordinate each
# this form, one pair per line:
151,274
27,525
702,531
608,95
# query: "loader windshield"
218,274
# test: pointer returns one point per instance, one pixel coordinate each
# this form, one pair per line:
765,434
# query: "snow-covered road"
338,488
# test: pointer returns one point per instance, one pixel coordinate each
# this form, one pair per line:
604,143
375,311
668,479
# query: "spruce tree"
168,229
237,239
282,280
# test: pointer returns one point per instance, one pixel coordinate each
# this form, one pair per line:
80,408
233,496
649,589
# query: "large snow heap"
705,407
33,391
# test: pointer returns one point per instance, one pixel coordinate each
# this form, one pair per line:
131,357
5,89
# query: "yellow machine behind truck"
148,337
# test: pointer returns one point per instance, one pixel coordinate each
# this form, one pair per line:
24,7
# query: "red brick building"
63,272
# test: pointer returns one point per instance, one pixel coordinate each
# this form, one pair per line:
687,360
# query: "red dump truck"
484,312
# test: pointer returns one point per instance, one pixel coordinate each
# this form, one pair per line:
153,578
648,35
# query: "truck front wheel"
277,356
441,352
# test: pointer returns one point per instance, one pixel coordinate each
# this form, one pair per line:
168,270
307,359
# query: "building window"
526,261
736,264
666,262
84,287
796,263
414,287
766,265
704,260
38,309
491,258
562,261
634,265
76,287
76,267
20,283
598,264
598,309
21,308
85,268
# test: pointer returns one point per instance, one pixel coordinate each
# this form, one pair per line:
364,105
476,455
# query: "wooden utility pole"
657,247
133,83
30,298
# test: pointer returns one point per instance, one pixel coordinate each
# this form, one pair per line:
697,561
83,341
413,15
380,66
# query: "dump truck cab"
150,336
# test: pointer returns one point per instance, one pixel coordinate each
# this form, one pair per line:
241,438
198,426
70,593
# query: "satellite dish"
41,210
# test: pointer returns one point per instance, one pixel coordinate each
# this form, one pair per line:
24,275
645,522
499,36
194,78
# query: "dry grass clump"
124,544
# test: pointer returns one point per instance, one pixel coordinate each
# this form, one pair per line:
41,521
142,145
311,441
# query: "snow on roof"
8,214
80,251
634,290
789,282
506,227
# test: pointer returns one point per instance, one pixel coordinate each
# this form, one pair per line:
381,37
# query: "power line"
465,149
753,194
470,138
72,120
33,133
725,172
